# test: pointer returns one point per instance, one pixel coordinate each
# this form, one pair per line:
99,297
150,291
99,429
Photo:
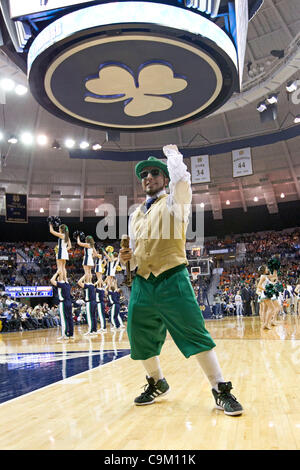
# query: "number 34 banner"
200,169
242,162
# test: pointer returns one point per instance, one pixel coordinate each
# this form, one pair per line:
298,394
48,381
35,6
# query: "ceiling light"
255,199
69,143
55,145
291,86
297,119
21,90
227,202
26,138
261,106
12,139
42,139
273,98
7,84
84,145
282,195
42,210
96,146
68,210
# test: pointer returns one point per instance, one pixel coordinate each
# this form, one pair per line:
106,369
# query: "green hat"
152,161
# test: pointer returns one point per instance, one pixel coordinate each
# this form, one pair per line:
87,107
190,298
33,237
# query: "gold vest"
159,239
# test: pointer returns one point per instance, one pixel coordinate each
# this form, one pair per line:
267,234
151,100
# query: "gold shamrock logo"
150,93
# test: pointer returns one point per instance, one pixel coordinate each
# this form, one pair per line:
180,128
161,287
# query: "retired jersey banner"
16,208
242,162
200,169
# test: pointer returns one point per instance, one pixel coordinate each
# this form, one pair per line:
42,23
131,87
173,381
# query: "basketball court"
80,395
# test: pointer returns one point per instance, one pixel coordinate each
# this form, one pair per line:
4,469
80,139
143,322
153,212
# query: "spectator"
238,304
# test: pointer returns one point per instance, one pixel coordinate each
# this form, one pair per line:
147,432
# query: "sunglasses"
154,172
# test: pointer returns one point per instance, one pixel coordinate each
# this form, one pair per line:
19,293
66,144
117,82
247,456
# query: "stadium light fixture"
291,86
69,143
26,138
42,139
273,98
96,146
84,144
55,145
12,140
21,90
261,106
7,84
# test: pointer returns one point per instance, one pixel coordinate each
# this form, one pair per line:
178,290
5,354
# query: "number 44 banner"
242,162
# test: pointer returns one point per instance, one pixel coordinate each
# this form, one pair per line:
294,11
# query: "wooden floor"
94,409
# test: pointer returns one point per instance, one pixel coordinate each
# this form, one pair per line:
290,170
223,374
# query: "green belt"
165,275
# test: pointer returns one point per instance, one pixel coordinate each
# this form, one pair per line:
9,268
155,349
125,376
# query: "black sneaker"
226,401
152,391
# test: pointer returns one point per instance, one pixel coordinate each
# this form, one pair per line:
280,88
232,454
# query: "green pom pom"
273,264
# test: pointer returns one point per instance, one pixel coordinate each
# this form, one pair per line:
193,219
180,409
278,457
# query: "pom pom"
273,264
76,235
269,291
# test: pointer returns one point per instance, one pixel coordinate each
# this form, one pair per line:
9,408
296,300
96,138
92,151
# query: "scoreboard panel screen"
29,291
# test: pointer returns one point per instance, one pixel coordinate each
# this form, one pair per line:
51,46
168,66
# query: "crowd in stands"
28,263
16,315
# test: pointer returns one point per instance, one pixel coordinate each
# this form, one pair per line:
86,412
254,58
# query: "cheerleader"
65,306
88,258
268,294
100,294
263,271
62,248
90,305
99,266
297,298
274,265
114,294
112,263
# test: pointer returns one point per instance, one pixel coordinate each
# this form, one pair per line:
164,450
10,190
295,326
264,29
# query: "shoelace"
148,389
228,397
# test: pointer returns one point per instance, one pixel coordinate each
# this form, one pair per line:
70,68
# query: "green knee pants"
167,302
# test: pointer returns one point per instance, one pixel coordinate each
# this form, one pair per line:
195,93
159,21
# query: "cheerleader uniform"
91,306
65,308
111,268
88,257
101,307
62,252
98,266
263,296
115,317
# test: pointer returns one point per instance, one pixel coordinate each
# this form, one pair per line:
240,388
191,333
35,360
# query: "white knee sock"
152,366
209,363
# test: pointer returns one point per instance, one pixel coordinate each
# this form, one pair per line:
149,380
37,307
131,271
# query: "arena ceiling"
54,181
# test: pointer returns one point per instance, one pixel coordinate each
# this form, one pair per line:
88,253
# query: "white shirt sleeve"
180,197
